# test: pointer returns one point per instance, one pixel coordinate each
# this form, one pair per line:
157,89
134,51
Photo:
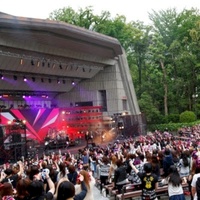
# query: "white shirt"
193,184
183,171
172,190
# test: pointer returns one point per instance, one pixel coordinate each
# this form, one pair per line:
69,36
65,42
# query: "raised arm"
133,167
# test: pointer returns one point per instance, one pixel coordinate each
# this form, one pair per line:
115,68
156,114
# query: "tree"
82,18
163,58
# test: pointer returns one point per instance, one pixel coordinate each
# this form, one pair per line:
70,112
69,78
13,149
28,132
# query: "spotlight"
25,79
43,63
1,76
15,77
73,83
21,61
38,63
32,62
33,79
58,81
67,66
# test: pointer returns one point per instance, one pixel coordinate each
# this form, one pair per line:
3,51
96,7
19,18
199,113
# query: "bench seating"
163,190
128,187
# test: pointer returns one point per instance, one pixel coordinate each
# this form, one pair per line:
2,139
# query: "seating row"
161,191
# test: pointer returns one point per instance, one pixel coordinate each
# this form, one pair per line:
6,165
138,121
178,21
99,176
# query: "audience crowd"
158,158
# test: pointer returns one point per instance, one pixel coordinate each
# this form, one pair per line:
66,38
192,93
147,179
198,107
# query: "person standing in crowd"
36,188
85,159
184,165
155,165
72,175
62,171
104,171
21,189
167,161
89,183
149,181
120,176
113,167
12,174
93,164
194,182
66,190
6,191
174,181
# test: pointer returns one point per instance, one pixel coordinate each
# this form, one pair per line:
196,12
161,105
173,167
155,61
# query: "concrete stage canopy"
53,54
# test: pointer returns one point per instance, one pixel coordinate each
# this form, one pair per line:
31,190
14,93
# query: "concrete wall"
117,82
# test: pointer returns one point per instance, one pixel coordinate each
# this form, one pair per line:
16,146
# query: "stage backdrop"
74,121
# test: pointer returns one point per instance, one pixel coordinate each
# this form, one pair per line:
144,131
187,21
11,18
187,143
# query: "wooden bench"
129,187
161,191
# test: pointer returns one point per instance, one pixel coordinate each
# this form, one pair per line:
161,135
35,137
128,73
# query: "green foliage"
164,58
173,118
147,106
171,126
187,116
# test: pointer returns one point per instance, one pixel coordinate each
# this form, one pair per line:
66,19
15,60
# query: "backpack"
198,188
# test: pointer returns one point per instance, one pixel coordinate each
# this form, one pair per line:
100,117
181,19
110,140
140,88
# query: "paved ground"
97,195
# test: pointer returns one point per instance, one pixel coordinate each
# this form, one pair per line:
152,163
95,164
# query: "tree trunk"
165,87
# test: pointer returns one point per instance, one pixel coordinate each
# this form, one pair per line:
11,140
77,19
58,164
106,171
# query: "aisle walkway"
97,195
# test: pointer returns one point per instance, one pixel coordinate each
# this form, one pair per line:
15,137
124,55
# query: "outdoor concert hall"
56,78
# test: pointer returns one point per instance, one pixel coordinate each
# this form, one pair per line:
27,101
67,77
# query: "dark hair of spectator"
119,162
105,160
44,164
8,171
71,168
167,151
174,177
6,189
62,169
185,159
34,169
22,188
66,190
130,156
35,188
148,167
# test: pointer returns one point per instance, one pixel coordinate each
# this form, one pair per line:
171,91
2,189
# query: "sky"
133,10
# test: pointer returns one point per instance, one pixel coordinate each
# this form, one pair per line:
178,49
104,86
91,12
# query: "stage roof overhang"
47,49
